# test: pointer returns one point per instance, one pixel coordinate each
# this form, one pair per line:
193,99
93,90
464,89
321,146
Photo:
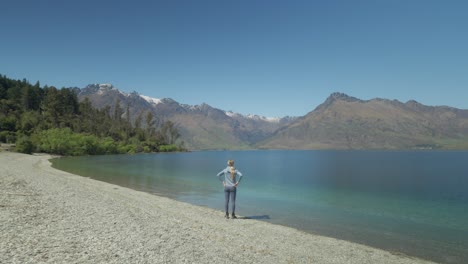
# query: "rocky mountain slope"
341,122
200,126
344,122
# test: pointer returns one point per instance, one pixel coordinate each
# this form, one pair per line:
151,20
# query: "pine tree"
150,129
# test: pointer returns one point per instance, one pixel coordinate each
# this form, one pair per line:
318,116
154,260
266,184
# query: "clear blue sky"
272,58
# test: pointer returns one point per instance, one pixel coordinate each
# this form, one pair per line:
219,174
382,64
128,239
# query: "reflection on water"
410,202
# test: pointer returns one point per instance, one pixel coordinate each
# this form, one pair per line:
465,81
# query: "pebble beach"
51,216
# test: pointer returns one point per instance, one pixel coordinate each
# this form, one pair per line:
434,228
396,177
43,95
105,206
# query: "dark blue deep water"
410,202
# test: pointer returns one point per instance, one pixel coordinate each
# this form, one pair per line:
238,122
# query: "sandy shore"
47,215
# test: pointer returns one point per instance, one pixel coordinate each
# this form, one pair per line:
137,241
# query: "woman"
230,181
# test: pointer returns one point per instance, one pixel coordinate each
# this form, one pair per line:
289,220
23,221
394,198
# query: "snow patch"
254,117
151,100
123,93
231,114
105,85
264,118
273,119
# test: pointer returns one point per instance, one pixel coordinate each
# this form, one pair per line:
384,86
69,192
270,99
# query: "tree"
88,121
117,112
116,128
138,131
127,125
52,120
29,122
150,129
8,123
14,95
169,132
2,92
51,107
69,108
30,98
70,104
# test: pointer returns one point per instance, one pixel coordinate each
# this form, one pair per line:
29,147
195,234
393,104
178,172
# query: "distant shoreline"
54,216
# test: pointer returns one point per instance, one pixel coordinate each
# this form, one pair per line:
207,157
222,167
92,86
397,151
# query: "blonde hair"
233,173
232,170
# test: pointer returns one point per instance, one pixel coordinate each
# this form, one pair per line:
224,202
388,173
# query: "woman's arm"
220,174
240,177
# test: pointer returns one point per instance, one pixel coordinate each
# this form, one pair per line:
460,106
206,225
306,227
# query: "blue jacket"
228,182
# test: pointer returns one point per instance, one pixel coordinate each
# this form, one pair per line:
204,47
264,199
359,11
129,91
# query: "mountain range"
341,122
200,126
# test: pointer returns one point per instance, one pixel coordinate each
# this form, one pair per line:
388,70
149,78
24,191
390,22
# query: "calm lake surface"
411,202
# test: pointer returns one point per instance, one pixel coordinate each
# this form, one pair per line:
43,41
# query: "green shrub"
56,141
7,136
107,146
8,123
63,141
88,144
168,148
24,145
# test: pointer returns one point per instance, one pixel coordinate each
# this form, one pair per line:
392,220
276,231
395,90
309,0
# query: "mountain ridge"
344,122
102,88
340,122
201,126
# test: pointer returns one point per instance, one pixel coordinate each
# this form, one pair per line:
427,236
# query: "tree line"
51,120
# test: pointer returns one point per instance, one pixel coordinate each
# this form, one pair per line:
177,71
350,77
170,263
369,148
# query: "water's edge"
350,224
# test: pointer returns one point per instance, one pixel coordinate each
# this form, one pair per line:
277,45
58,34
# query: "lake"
410,202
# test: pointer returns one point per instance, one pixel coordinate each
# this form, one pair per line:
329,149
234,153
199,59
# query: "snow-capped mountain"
341,122
201,126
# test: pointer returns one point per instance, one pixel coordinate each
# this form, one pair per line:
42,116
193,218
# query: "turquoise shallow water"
411,202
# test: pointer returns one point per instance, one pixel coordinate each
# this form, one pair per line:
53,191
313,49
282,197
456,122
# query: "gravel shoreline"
51,216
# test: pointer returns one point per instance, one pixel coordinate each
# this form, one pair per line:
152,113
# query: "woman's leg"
226,199
233,200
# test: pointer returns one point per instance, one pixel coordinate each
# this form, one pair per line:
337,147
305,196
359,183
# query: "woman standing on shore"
230,181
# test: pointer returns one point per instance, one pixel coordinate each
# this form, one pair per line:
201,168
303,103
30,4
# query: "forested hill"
51,120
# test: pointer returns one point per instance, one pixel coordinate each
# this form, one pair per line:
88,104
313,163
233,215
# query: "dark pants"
230,193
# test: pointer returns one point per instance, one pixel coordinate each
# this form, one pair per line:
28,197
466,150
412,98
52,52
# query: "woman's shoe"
227,216
234,216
